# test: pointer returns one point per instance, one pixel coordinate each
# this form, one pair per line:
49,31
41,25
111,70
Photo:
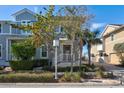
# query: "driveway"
110,67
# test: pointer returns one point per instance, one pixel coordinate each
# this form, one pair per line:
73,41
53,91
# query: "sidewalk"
62,85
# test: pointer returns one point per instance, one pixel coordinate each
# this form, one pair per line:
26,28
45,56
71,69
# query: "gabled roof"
23,10
116,26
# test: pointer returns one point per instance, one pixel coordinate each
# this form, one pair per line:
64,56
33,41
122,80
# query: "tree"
23,50
73,18
119,49
92,39
82,42
43,29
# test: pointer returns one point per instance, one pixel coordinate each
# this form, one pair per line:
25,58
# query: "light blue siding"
15,33
25,16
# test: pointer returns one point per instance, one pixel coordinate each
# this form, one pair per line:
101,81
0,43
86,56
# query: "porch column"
7,57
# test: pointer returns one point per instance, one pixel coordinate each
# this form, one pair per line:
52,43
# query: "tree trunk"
71,65
71,71
89,54
81,49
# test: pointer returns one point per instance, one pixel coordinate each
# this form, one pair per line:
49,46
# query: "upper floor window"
0,28
25,23
59,29
112,37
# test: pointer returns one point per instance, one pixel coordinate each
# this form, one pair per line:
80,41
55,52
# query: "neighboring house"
112,34
8,35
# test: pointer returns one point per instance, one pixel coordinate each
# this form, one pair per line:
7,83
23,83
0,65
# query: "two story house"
8,35
112,34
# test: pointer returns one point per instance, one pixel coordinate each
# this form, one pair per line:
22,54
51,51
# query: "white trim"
41,52
23,10
25,32
1,51
109,25
14,34
59,28
104,30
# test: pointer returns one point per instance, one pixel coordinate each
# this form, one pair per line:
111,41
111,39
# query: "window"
59,29
112,37
0,50
0,28
44,51
25,23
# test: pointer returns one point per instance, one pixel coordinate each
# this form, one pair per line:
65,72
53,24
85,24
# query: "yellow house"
112,34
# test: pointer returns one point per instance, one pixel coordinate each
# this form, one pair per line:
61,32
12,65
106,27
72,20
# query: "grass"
27,77
70,77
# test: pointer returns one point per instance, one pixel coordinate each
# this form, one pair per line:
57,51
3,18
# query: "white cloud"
95,26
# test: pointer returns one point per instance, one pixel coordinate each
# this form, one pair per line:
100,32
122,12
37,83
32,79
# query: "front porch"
9,42
66,55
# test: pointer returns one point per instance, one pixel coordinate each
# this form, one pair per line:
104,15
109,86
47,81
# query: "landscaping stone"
7,69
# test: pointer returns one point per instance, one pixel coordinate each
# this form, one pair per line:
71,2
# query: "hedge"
84,67
21,65
27,78
28,65
41,63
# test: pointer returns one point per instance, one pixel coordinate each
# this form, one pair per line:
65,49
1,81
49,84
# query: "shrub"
119,48
84,67
1,68
42,62
27,78
99,74
21,65
68,77
23,50
109,75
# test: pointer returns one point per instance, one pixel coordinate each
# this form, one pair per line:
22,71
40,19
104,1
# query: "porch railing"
65,58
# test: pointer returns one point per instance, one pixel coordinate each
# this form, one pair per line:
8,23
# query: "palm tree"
82,42
92,39
74,17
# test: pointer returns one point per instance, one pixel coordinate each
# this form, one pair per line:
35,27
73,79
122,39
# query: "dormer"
24,14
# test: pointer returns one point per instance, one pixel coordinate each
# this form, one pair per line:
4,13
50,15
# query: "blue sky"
107,14
104,14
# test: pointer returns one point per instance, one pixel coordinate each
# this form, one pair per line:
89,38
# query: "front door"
66,52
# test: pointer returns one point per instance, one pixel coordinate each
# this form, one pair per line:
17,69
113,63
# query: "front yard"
46,75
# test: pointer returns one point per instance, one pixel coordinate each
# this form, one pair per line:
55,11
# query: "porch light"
55,43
